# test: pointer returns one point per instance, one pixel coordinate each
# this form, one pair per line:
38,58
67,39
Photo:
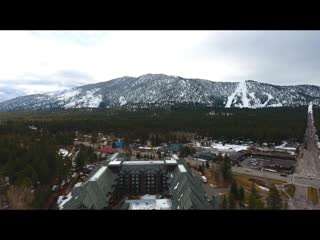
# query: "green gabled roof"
93,194
186,191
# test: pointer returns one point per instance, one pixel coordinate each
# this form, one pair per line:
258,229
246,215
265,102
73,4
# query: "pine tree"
232,201
274,200
200,168
207,164
241,194
234,190
224,204
255,201
225,167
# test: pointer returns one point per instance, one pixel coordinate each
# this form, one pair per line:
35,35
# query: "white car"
204,179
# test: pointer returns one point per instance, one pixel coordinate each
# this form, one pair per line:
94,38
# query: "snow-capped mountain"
162,90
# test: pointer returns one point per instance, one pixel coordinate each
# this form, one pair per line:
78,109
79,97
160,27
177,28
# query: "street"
209,188
308,164
258,173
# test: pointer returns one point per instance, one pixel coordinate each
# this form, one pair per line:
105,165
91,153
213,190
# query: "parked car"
204,179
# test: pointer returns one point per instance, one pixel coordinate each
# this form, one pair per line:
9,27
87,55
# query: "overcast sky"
43,61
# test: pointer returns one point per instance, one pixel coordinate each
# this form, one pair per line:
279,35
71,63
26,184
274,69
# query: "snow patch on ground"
283,147
252,95
66,94
284,143
229,147
78,184
91,99
245,100
263,188
310,108
232,96
276,105
122,100
63,199
76,98
63,152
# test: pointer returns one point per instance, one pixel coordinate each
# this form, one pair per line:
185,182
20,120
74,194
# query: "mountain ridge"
162,90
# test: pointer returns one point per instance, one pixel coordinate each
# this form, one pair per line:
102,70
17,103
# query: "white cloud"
116,54
37,61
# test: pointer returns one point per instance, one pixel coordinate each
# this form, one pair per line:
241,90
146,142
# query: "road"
300,200
308,164
306,181
257,173
210,189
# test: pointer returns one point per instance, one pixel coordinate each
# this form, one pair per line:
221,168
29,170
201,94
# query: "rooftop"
182,169
97,175
149,204
171,161
142,162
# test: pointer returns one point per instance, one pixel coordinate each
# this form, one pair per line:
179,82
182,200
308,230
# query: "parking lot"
252,162
271,164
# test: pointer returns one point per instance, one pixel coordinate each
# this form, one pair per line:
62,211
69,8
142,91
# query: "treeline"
260,125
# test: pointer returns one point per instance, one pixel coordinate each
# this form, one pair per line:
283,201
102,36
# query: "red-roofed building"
107,150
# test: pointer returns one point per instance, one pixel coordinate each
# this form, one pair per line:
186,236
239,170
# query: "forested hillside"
29,142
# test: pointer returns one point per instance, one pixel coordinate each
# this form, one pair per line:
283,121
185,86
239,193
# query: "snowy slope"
253,94
161,90
241,93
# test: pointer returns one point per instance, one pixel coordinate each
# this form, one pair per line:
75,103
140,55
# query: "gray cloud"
278,57
30,83
9,92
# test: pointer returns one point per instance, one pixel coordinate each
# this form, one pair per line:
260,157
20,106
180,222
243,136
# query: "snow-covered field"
284,148
228,147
